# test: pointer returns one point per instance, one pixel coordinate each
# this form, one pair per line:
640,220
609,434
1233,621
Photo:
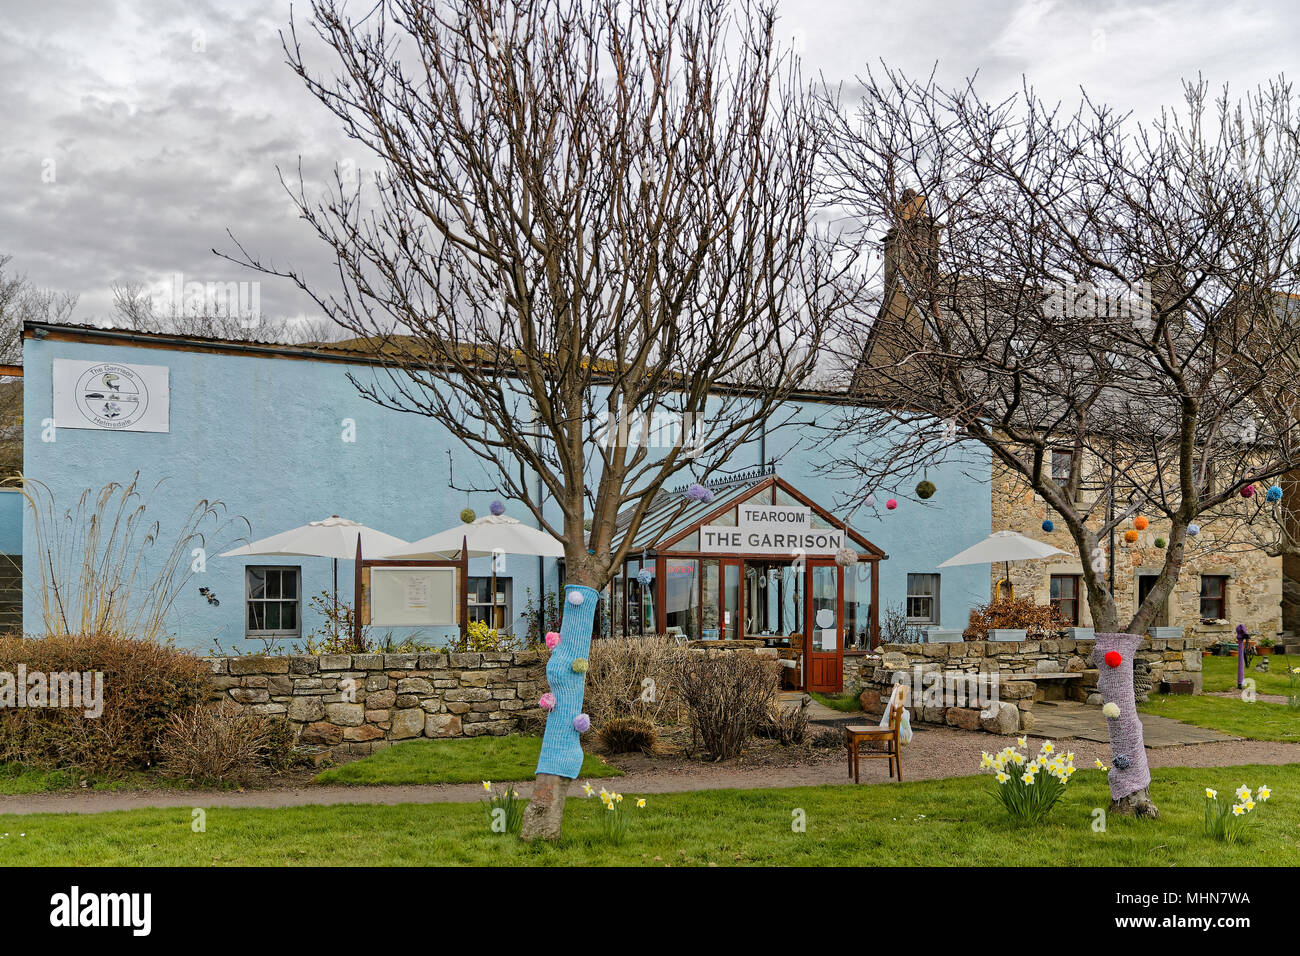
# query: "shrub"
1229,821
894,628
224,743
622,735
634,676
1038,620
786,727
145,683
480,637
727,696
827,738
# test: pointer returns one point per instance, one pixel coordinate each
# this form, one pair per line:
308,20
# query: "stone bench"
1041,693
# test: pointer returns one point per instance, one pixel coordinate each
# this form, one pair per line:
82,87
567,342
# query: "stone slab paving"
1069,719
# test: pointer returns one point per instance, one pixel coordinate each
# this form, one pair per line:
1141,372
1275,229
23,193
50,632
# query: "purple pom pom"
697,492
582,723
497,508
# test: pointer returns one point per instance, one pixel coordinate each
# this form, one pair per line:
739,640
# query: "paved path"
935,753
1070,719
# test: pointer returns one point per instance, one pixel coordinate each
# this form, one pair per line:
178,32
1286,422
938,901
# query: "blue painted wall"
11,521
264,435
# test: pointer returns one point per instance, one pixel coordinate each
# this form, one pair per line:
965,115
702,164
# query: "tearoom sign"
111,396
770,529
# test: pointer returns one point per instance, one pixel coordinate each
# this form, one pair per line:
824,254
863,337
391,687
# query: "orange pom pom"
1140,522
1130,536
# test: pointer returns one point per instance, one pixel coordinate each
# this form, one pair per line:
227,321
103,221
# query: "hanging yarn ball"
891,504
1047,525
870,501
1274,494
846,557
645,576
467,516
1141,522
1113,659
1248,491
1193,529
1161,542
552,640
497,508
546,701
1110,711
579,665
697,492
925,489
575,598
1130,535
582,723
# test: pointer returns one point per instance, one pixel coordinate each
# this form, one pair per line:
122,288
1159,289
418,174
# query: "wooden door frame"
809,564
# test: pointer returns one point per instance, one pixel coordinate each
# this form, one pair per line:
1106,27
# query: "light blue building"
281,437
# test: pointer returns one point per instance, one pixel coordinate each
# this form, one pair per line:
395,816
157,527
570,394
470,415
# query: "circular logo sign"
112,396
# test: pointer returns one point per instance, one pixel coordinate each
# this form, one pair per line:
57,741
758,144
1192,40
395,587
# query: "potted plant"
1265,646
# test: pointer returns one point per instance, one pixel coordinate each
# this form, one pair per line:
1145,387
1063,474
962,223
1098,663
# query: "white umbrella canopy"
483,537
334,537
1003,546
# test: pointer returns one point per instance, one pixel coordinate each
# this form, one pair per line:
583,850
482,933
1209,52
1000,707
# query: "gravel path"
935,752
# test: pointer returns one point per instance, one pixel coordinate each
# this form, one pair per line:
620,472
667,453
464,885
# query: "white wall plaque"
111,396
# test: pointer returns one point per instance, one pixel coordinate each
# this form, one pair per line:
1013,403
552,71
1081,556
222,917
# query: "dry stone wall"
1017,664
359,703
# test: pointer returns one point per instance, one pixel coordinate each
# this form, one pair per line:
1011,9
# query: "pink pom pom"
891,504
546,701
552,639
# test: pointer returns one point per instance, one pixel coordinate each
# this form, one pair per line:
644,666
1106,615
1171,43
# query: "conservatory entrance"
752,560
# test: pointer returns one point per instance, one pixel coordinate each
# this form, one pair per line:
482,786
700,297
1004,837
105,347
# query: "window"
923,599
1145,583
1061,462
494,613
1214,597
1065,596
274,603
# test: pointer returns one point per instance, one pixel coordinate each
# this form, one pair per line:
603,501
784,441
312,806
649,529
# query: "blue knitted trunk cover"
561,744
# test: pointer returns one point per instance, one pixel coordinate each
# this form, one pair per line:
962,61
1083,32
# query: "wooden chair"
791,674
886,732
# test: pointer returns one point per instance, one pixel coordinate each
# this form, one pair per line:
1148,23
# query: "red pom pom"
1113,659
891,504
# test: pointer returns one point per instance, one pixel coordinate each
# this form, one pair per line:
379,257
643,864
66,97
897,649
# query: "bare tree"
1074,282
586,213
216,316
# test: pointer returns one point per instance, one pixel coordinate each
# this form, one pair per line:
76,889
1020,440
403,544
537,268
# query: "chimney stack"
912,243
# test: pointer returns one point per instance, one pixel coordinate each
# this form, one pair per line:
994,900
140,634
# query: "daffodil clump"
1029,788
1228,821
614,821
505,811
1293,698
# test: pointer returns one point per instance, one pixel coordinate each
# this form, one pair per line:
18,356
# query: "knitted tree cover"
561,744
1129,772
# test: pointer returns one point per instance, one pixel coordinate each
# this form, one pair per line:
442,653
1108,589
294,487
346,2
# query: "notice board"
413,597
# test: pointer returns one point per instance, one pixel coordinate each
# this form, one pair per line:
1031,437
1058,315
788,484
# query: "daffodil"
587,789
1212,794
1048,747
640,803
1237,810
1003,777
1027,779
1249,804
487,785
1263,794
1099,765
1022,741
1243,792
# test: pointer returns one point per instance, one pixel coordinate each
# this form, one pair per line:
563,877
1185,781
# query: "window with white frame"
274,601
483,607
923,599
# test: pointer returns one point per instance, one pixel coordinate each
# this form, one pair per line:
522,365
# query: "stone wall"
358,703
1015,663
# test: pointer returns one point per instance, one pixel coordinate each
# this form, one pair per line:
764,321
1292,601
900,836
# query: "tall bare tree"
1075,282
585,213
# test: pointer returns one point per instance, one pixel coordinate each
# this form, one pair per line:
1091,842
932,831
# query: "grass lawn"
1221,673
454,761
945,822
1257,721
847,703
17,778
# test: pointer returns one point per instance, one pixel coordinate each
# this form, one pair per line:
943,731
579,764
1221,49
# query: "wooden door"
825,626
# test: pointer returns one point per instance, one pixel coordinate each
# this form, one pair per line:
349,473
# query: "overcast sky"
134,133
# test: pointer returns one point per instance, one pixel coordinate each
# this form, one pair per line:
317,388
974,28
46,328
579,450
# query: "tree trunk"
544,815
1129,775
